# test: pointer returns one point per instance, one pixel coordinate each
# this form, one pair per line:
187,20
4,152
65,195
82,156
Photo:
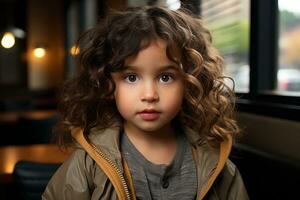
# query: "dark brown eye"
131,78
165,78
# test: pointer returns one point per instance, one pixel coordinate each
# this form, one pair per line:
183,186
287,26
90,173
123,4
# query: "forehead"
154,52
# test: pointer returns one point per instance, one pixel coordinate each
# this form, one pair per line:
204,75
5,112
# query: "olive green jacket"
96,171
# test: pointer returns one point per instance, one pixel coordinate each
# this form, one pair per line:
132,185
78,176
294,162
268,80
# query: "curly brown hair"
208,104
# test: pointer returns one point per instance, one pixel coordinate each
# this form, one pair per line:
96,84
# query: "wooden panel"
45,153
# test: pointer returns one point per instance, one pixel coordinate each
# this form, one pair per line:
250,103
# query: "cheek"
124,101
174,100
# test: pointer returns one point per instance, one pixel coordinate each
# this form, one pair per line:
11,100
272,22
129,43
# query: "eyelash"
169,75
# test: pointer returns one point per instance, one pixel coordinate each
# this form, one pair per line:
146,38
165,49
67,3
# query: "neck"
157,146
163,134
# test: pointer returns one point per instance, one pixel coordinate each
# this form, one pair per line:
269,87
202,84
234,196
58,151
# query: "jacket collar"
109,139
209,161
210,164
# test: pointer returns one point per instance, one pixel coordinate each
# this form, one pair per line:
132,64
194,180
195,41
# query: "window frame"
264,34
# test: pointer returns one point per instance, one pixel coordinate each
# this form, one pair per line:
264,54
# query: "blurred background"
260,43
38,37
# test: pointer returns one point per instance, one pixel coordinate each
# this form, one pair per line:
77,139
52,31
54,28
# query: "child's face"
149,92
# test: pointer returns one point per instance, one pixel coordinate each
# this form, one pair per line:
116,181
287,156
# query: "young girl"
149,113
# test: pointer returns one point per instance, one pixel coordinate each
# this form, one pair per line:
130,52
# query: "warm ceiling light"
39,52
74,51
8,40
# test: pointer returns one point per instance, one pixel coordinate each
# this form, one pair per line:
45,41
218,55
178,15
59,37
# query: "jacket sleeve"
73,179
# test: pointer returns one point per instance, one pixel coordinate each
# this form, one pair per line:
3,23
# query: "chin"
150,128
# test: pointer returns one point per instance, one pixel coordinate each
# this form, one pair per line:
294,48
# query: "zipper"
116,169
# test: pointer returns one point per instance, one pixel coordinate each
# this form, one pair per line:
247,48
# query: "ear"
110,89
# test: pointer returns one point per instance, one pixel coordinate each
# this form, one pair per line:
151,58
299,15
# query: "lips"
149,114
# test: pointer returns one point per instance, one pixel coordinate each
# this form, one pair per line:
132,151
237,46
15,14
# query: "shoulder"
229,182
229,174
230,169
73,177
79,161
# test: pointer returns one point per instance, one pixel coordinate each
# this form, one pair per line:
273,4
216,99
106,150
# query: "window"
228,21
288,74
267,82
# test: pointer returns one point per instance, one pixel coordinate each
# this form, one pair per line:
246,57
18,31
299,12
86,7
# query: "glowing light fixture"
8,40
39,52
74,51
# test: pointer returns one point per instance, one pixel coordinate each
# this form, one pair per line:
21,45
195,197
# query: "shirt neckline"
161,170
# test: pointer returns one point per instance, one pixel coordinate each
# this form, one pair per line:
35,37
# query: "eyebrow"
162,68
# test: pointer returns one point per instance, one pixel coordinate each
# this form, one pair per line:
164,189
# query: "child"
150,113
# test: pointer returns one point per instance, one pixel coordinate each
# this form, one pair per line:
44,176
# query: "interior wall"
117,4
277,136
45,28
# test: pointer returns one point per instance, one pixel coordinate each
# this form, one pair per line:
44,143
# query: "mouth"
149,114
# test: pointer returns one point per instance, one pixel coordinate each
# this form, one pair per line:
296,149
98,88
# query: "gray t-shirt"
161,182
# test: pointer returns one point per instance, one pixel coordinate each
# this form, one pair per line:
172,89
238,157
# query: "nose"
149,93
